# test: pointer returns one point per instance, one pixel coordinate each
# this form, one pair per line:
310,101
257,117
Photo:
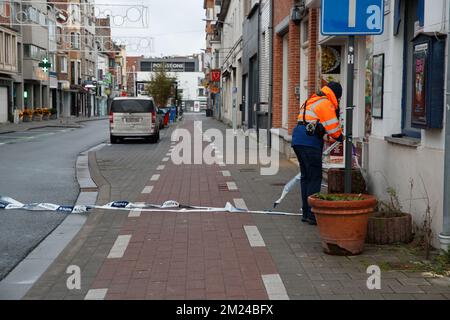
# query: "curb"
73,125
23,277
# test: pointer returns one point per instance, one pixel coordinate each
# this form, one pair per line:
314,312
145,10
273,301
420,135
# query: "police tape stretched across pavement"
7,203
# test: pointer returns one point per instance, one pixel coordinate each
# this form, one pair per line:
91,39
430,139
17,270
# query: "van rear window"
132,106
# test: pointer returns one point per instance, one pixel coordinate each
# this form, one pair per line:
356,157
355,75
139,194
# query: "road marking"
254,237
219,156
275,287
119,247
240,203
135,213
160,168
226,173
165,159
1,143
155,177
221,164
96,294
169,154
232,186
147,190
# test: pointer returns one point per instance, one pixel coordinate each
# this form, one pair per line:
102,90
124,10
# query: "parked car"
132,117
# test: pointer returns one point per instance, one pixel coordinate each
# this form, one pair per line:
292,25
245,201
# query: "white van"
132,117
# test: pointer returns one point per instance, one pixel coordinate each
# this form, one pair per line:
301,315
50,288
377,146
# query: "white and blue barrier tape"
7,203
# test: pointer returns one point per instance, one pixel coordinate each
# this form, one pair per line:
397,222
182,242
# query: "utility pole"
444,237
349,115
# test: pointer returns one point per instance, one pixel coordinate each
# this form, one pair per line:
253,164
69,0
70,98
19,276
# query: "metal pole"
349,115
269,118
445,235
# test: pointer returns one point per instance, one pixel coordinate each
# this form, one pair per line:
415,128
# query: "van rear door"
132,116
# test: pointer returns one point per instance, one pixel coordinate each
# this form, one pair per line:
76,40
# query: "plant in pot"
37,114
45,114
390,224
342,220
27,115
53,114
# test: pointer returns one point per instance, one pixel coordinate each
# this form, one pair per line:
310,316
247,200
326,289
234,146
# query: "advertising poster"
378,86
419,116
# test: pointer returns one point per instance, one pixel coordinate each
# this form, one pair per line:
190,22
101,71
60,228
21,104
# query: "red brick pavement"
188,256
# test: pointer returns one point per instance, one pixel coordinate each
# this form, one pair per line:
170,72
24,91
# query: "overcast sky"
175,25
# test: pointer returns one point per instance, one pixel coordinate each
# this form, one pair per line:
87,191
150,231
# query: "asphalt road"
39,166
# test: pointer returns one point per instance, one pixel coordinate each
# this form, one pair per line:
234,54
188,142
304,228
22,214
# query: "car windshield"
132,106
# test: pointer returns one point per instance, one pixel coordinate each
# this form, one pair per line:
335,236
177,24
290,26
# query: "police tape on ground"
7,203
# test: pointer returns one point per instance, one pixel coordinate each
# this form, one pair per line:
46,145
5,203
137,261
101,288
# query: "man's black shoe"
312,222
304,220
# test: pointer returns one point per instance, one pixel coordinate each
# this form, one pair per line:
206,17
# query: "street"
39,165
134,254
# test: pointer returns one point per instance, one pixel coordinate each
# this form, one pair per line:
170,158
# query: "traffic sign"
352,17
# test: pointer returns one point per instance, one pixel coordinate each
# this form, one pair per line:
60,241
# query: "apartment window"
63,64
32,52
2,53
75,40
73,72
8,53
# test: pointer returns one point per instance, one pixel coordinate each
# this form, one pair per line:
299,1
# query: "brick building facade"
294,51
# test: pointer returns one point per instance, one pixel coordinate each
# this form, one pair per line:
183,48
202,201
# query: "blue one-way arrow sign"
352,17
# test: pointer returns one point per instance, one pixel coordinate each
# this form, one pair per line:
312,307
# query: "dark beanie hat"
336,88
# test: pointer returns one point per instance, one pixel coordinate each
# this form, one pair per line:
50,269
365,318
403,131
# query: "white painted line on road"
275,287
119,247
165,159
254,237
169,154
155,177
135,213
2,144
219,156
232,186
226,173
160,168
240,203
221,164
147,190
96,294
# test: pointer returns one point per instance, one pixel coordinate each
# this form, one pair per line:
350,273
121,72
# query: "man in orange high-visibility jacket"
318,118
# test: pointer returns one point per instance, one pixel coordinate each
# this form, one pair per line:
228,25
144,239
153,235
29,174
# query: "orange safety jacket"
323,109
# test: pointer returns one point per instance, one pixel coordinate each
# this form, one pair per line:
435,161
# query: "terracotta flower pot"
343,224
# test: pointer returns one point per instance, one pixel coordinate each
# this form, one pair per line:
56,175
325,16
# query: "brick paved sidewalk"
138,255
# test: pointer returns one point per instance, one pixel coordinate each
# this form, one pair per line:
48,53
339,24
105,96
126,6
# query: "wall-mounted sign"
45,65
215,75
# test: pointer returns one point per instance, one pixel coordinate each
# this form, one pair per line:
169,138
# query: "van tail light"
153,117
111,118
